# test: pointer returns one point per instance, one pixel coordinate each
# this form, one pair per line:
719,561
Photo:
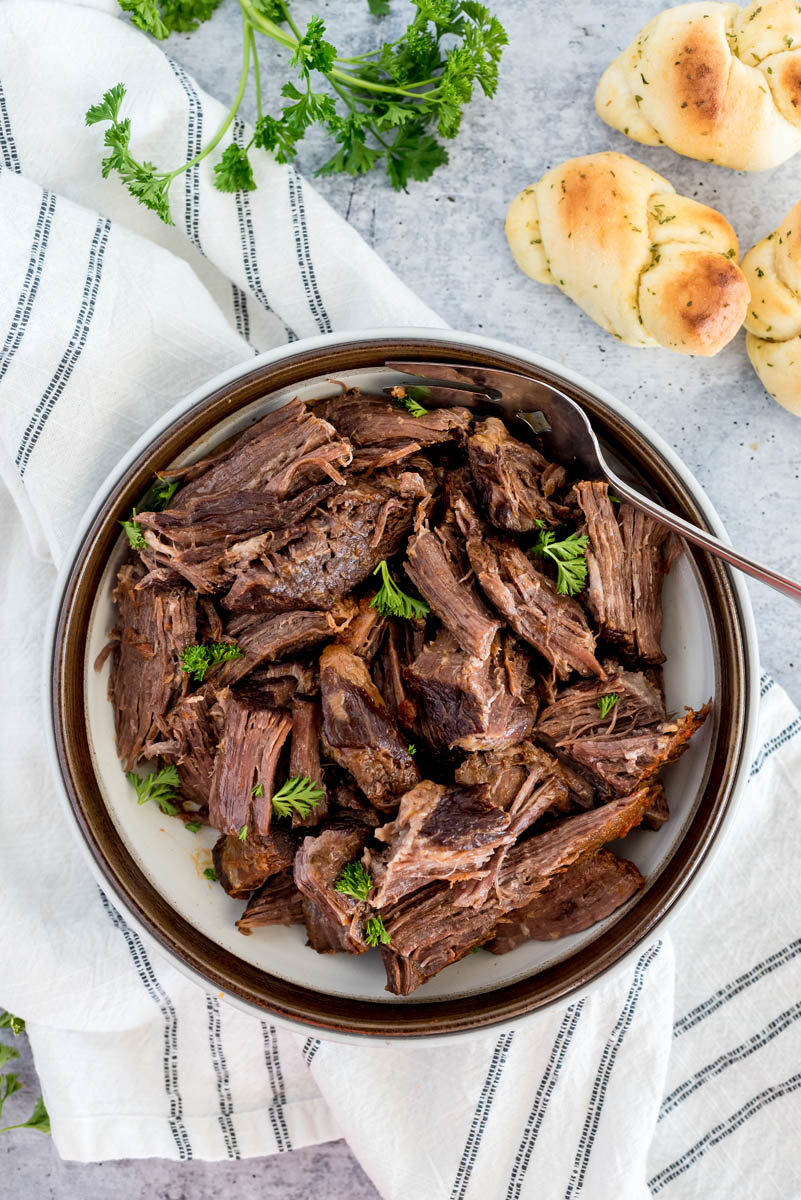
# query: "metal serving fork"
567,436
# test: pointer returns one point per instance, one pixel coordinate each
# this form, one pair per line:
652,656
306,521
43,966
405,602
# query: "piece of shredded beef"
515,483
188,738
378,423
583,894
247,758
358,731
277,902
365,631
269,638
244,865
334,921
334,549
619,752
439,833
153,626
429,930
468,702
304,756
625,566
445,581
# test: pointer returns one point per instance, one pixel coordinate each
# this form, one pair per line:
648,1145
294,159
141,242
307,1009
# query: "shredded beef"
277,902
358,731
247,758
444,580
333,550
153,626
468,702
188,738
304,756
625,565
372,421
334,921
513,479
244,865
439,833
268,638
586,892
430,930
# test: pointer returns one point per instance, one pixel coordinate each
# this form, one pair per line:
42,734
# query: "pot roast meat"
467,702
364,632
513,479
402,642
334,921
268,638
247,757
553,624
527,783
659,812
623,750
226,518
304,756
585,893
625,567
153,626
335,548
429,928
358,731
243,866
277,902
375,422
281,454
440,832
444,580
189,740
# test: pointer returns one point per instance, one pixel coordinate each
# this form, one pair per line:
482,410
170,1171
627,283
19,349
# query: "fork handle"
706,541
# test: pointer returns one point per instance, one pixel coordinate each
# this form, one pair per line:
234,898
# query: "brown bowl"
720,630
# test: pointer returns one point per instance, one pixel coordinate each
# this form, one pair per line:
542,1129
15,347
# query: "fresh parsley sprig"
569,555
404,399
133,532
388,106
392,602
160,786
11,1083
355,880
606,703
197,660
376,932
298,795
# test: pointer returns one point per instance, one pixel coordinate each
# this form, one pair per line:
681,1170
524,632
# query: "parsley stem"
289,21
266,26
256,70
240,92
357,84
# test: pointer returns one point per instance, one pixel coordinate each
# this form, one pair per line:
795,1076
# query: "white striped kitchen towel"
106,319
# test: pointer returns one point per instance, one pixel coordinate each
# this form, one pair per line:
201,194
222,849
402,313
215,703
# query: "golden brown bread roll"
713,82
773,271
651,267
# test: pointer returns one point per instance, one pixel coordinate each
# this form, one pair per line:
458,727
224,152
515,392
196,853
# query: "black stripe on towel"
225,1117
756,1042
307,273
542,1099
310,1048
775,743
74,349
276,1075
608,1058
8,146
30,284
159,996
722,1131
241,314
730,990
765,684
481,1116
247,240
194,144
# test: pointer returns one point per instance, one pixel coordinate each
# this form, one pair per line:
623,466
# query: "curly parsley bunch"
389,106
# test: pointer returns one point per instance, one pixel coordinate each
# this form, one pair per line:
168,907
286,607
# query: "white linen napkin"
106,319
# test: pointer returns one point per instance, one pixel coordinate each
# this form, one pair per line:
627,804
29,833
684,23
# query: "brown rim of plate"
224,971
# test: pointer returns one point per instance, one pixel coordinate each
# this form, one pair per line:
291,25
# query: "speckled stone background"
445,238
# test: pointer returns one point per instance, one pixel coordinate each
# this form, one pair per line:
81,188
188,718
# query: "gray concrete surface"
445,238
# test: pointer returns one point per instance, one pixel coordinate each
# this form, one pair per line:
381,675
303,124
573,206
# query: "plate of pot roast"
387,688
